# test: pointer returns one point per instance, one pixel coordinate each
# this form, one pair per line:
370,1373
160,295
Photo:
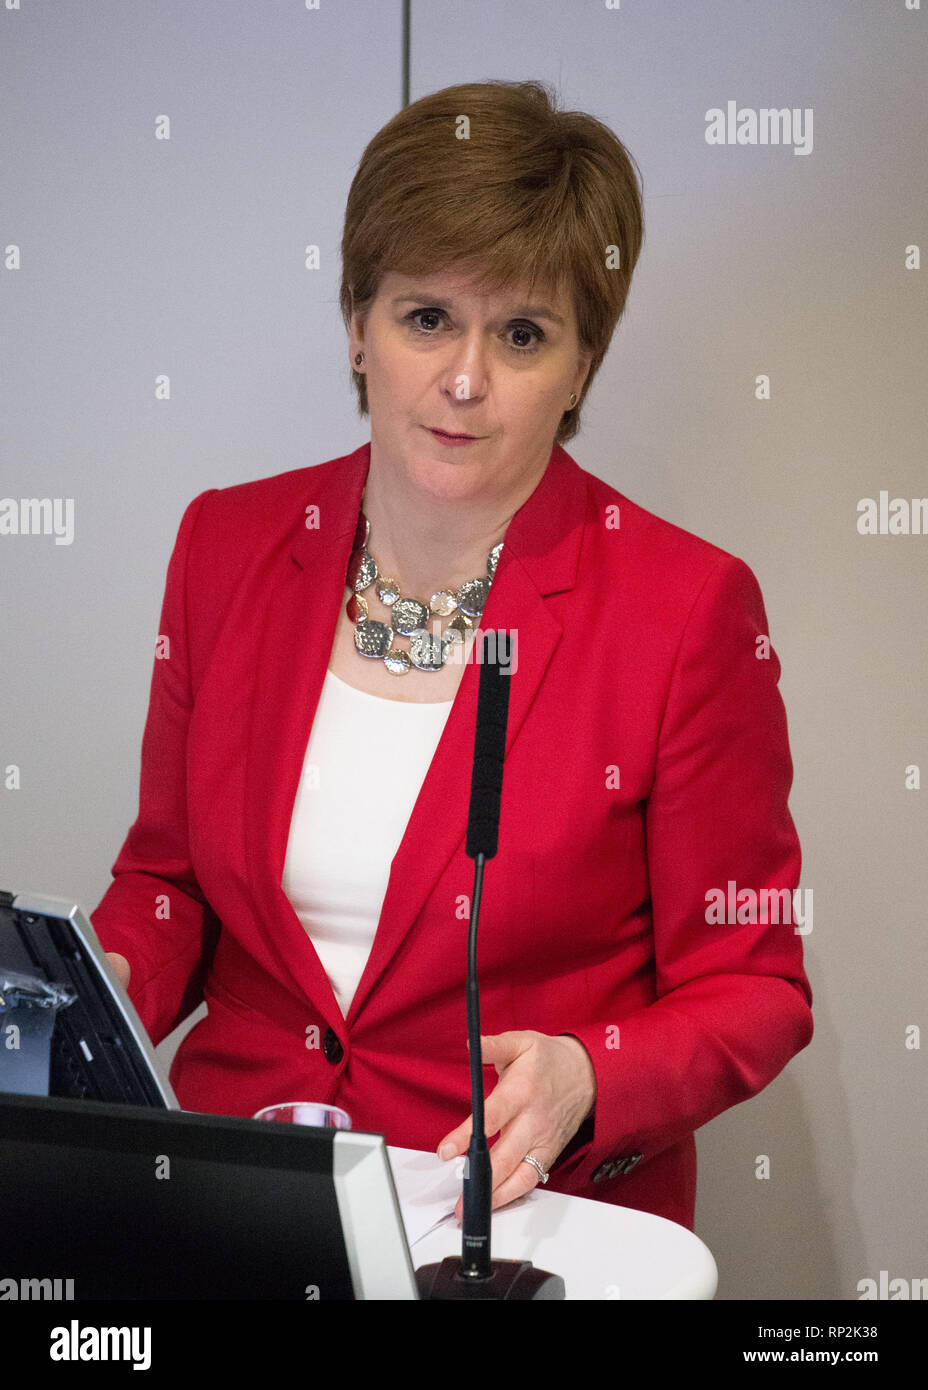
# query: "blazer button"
332,1048
603,1171
632,1163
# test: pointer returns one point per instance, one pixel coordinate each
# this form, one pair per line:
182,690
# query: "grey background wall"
125,256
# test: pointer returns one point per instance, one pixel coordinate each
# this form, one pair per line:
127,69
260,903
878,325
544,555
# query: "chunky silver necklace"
428,651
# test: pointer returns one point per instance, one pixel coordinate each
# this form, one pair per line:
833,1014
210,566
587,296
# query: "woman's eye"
527,328
428,313
419,320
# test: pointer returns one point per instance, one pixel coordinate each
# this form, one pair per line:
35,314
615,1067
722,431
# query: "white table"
600,1250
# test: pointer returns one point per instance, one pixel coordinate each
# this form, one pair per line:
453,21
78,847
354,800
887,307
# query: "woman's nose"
467,368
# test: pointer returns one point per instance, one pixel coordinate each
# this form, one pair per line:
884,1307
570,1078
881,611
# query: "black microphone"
475,1274
486,786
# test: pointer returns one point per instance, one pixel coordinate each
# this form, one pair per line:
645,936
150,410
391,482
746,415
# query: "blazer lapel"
298,631
540,556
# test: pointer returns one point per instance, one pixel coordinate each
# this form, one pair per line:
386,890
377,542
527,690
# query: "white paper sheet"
427,1188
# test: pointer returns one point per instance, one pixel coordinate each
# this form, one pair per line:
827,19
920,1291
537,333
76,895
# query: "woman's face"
501,369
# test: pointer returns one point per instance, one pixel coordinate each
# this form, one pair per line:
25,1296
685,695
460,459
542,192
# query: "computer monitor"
125,1202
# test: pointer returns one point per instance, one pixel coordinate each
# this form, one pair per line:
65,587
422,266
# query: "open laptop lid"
67,1026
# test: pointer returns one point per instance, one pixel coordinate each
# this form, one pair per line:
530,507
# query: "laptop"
76,1031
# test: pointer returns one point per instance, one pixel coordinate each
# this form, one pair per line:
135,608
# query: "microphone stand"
475,1275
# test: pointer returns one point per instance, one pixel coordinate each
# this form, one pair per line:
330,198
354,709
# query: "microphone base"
511,1279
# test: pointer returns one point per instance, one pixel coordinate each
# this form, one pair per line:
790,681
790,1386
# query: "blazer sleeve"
733,1001
154,912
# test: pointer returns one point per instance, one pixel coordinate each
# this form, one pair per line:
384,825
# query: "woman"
298,860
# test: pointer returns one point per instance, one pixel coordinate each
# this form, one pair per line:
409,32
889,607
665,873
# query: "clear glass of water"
305,1112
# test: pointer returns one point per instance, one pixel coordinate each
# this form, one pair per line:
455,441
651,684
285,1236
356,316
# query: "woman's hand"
121,966
546,1089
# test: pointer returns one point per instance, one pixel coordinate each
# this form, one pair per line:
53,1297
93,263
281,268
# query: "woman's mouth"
453,439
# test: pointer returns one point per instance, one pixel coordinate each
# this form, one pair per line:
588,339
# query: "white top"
364,766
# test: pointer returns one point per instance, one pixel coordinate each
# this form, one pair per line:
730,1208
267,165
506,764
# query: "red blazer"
647,763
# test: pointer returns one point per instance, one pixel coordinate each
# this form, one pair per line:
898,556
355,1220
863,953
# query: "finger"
500,1050
521,1181
120,966
457,1141
502,1105
528,1133
512,1177
501,1165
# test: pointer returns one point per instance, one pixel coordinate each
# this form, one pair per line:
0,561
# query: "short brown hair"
533,194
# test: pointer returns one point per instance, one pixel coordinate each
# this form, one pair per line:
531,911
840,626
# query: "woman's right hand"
121,966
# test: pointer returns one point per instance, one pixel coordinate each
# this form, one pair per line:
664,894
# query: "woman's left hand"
546,1089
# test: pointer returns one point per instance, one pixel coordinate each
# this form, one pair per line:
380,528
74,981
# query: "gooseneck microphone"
475,1275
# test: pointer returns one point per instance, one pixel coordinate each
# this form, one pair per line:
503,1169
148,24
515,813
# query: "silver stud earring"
359,358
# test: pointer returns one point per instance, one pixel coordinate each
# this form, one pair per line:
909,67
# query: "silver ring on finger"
530,1158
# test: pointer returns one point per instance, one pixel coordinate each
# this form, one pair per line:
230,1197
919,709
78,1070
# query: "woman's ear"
583,367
